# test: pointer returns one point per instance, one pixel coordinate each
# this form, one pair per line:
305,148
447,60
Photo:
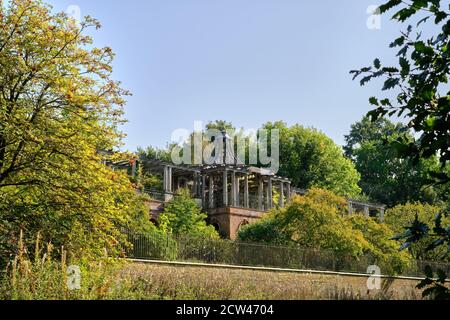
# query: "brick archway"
243,224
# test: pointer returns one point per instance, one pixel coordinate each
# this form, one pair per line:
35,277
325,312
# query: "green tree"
386,178
58,108
320,220
264,231
380,244
402,216
183,216
311,159
420,80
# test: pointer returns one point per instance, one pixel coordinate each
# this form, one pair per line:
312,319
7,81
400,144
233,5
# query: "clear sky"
247,62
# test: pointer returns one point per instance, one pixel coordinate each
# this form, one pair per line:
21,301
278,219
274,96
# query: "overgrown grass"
202,283
39,276
44,278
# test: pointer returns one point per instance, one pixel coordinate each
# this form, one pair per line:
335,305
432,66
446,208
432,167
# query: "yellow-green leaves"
58,107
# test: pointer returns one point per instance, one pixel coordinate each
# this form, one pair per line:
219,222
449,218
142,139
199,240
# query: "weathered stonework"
229,220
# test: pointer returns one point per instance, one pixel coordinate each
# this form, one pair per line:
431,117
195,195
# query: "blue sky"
247,62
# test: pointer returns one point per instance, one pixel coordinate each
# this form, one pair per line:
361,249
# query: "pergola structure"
232,195
368,209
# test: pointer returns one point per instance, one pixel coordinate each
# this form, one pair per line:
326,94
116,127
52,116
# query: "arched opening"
216,226
154,221
243,224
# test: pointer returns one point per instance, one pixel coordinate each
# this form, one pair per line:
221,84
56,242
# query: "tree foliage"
58,108
385,178
403,216
420,79
311,159
183,216
320,220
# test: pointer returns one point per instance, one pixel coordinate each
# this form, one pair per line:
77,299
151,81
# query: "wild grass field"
46,279
199,283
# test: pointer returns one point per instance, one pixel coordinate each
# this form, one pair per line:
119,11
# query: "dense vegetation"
59,108
385,178
320,220
60,112
420,81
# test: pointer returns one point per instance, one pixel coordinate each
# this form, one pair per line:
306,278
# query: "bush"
44,278
402,216
320,220
182,216
265,231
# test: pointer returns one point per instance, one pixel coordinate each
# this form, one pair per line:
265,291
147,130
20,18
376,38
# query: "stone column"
238,191
260,194
270,194
281,201
382,212
165,187
170,179
350,207
134,169
204,191
288,193
246,195
233,189
211,192
367,211
168,195
225,188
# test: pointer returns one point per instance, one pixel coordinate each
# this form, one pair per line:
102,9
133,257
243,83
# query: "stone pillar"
233,189
350,207
270,192
382,212
260,194
134,168
168,194
281,201
246,195
194,186
225,188
204,191
238,191
165,188
367,211
211,192
288,193
170,179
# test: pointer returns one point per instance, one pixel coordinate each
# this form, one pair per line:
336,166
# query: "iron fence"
185,249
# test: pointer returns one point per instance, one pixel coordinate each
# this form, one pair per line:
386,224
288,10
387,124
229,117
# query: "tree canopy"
183,216
386,178
59,110
311,159
419,80
321,220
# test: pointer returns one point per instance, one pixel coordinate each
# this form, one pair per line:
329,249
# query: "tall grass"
42,276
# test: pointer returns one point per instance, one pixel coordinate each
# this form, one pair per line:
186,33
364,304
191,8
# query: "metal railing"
184,249
155,195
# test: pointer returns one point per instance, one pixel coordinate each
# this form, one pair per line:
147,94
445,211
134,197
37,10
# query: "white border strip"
227,266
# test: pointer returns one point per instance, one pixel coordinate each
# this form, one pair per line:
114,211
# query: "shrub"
320,220
183,216
402,216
